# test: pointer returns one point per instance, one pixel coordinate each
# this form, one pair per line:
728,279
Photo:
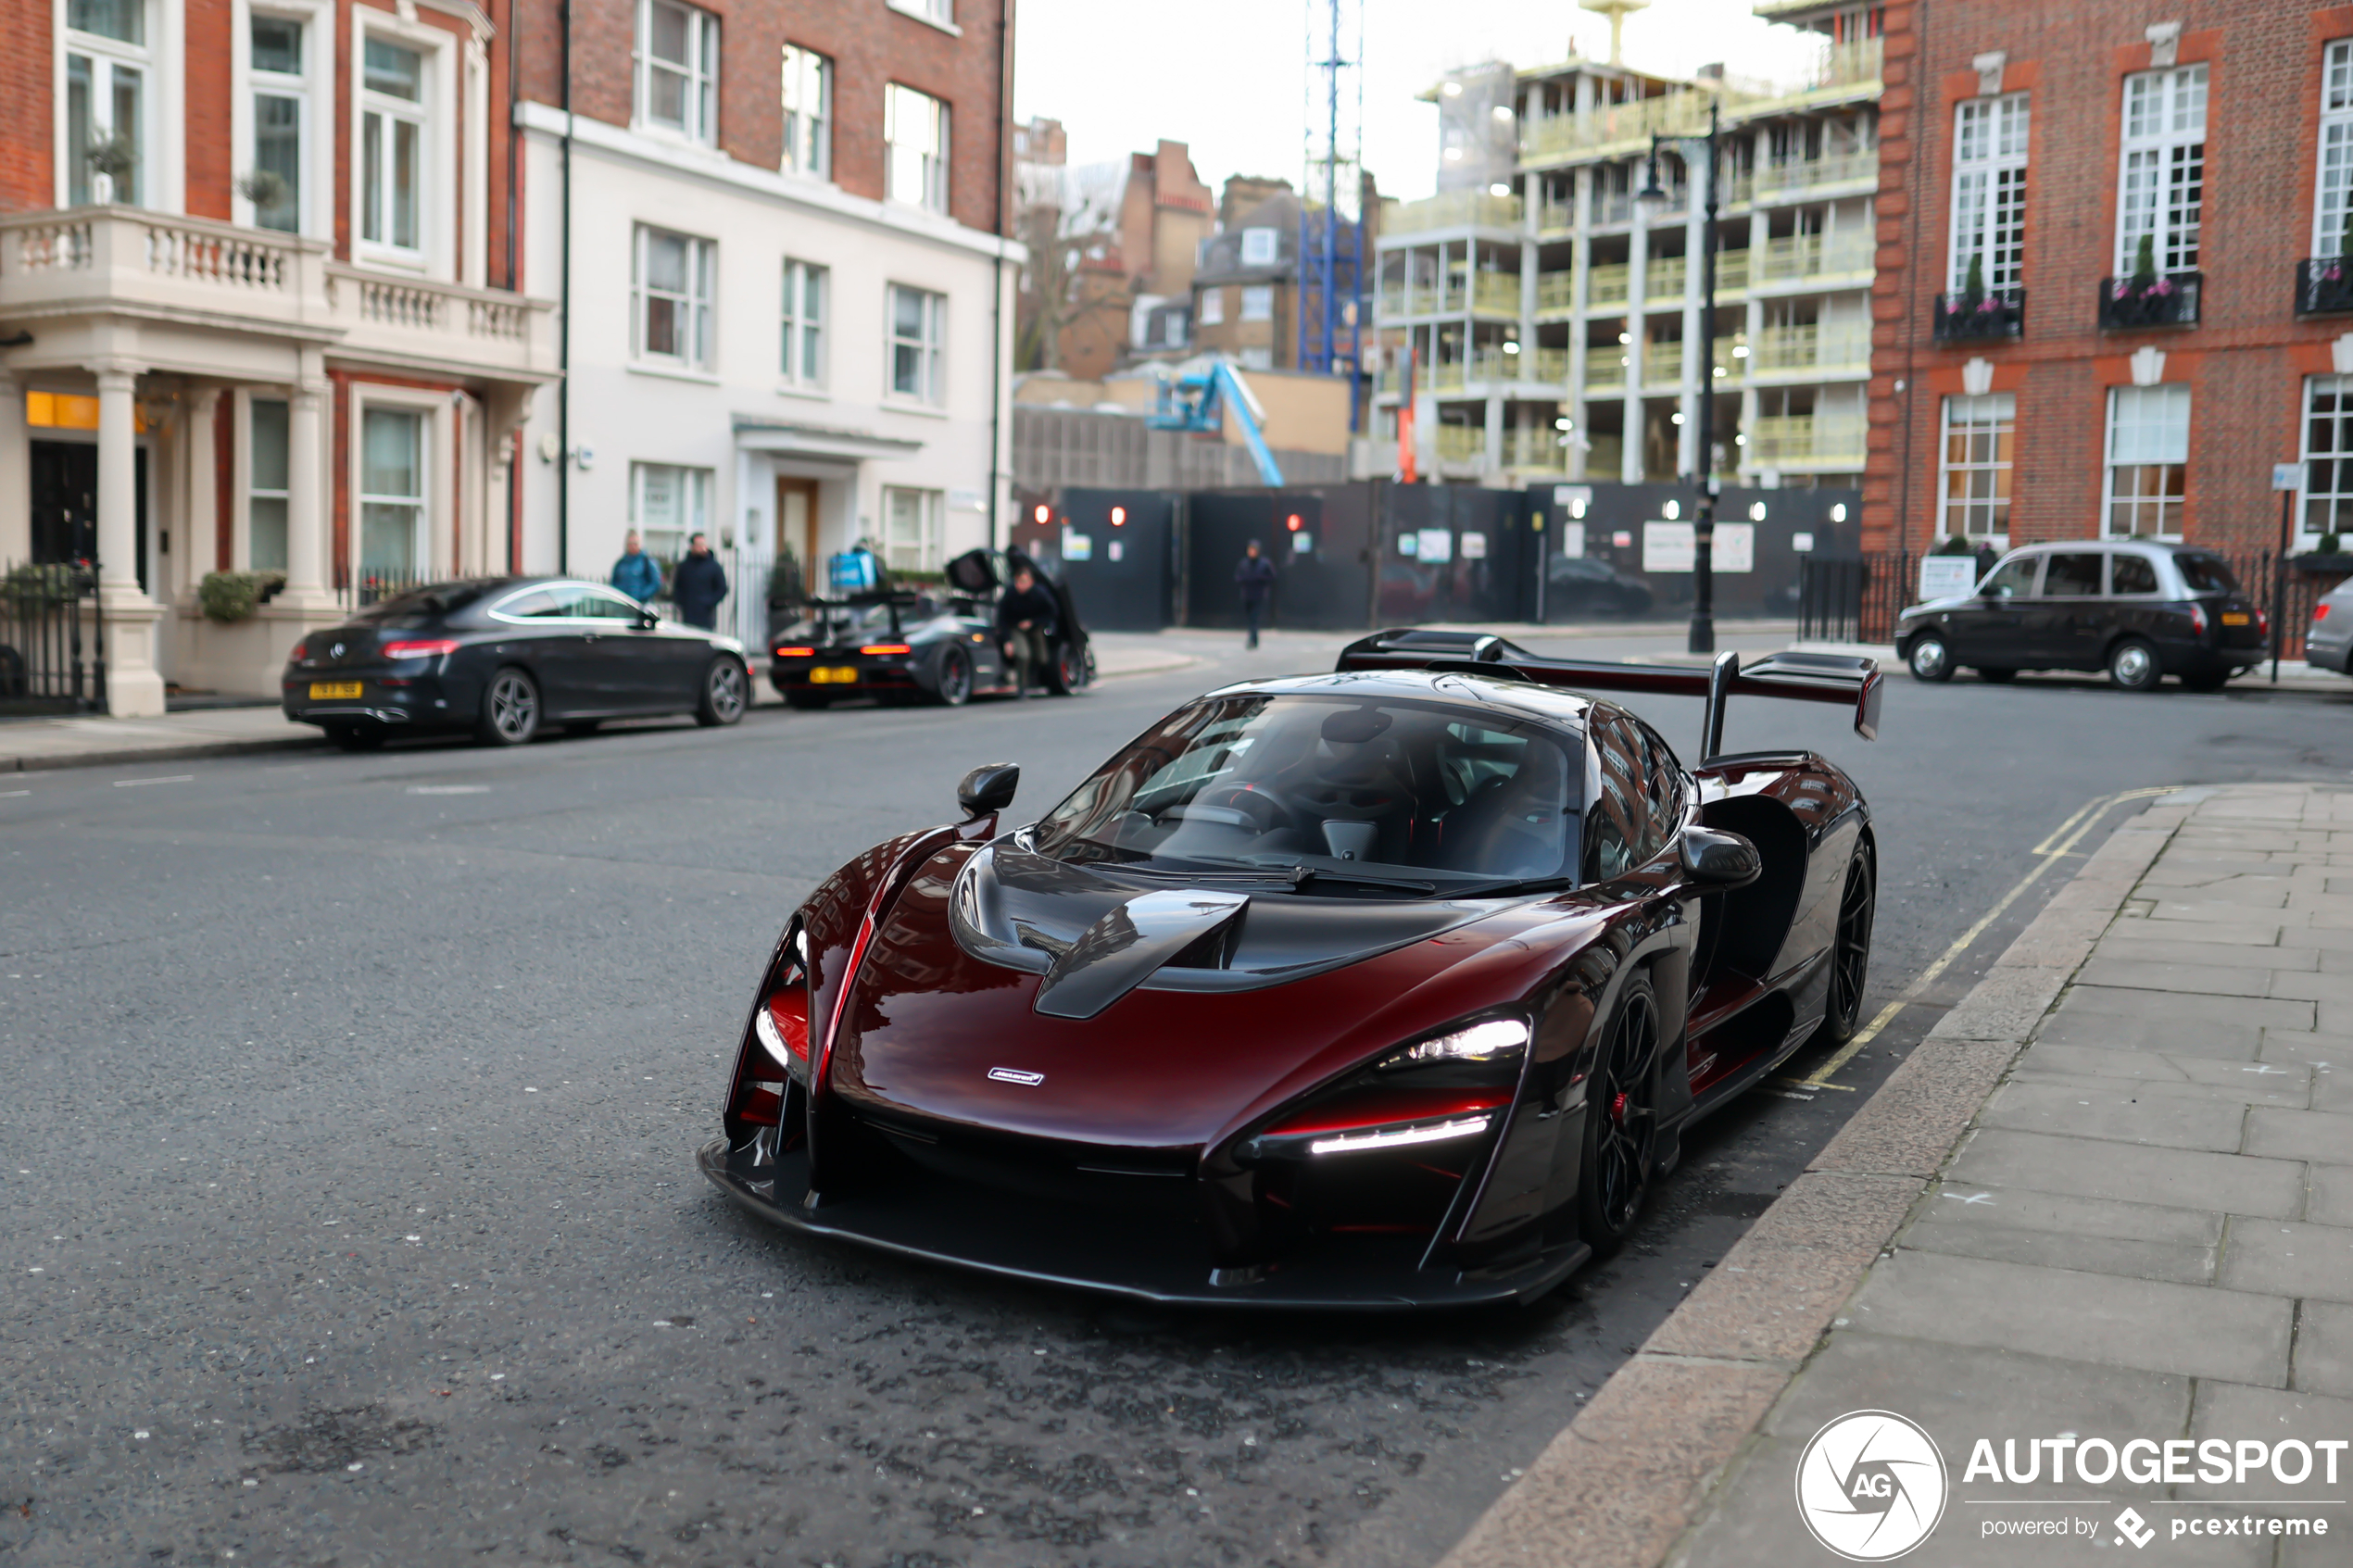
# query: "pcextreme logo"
1872,1485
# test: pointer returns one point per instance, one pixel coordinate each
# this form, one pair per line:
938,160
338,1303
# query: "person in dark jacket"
635,573
1025,618
699,584
1255,573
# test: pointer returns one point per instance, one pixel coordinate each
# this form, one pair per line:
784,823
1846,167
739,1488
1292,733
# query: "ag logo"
1870,1486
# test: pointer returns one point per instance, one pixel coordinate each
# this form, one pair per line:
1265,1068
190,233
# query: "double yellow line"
2062,841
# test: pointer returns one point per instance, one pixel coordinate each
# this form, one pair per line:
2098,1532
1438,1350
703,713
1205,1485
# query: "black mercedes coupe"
502,657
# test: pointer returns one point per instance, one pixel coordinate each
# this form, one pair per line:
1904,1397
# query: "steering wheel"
1267,809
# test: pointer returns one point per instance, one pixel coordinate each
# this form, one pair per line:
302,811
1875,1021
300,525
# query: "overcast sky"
1228,76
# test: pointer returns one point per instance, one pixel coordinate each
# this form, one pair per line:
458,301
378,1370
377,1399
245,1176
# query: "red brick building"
258,304
2114,286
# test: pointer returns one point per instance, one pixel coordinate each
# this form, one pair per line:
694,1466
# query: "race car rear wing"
1802,677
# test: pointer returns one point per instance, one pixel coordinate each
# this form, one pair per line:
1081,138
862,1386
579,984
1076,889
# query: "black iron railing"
2324,285
1992,316
1853,598
2169,300
53,647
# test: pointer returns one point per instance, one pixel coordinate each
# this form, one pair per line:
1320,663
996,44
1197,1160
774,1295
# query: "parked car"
1394,988
904,645
1584,585
2138,609
2328,642
504,657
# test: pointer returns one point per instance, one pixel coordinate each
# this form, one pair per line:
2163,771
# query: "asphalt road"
346,1158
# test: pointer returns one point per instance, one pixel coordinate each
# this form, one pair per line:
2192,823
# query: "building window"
671,297
2328,456
2332,208
809,112
2148,456
392,491
1212,308
280,122
1258,302
1258,247
669,505
805,359
1973,466
2164,177
392,148
265,484
915,133
942,12
918,328
677,69
1989,190
913,528
107,136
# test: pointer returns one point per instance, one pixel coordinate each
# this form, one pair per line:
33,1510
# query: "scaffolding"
1331,211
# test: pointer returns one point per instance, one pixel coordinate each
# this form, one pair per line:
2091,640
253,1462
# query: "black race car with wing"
921,645
1393,988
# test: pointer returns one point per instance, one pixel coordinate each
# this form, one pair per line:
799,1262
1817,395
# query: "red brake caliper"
1617,1108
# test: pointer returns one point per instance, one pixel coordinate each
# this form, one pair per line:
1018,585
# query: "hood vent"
1120,951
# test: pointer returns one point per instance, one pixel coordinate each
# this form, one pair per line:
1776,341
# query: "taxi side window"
2131,574
2073,575
2013,579
1613,826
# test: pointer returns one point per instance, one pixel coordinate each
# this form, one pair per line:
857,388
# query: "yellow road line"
2060,843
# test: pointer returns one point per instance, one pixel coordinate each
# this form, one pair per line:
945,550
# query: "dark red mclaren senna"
1393,988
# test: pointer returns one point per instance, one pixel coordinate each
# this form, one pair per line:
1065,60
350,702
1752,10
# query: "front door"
796,525
1989,629
64,504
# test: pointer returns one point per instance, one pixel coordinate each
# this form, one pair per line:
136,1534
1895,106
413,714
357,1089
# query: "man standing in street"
635,573
699,584
1255,573
1026,624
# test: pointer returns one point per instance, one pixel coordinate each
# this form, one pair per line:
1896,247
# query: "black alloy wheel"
1622,1121
726,692
1072,670
1931,659
2133,665
356,737
509,708
955,687
1850,951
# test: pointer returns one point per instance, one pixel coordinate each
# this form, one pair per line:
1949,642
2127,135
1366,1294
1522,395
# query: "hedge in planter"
232,596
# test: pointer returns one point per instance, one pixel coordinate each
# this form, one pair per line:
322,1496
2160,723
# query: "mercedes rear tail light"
420,647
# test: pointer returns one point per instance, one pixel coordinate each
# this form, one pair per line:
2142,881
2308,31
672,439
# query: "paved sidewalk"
2294,670
2110,1197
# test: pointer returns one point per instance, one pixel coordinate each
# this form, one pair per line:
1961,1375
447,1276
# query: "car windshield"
1331,788
427,603
2206,574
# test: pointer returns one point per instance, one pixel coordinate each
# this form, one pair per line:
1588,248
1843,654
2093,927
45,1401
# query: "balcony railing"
1556,218
1604,375
1812,348
1453,210
1805,174
1610,285
1495,293
109,259
1461,444
1555,292
1995,315
2169,301
1794,257
2325,286
1539,449
1793,441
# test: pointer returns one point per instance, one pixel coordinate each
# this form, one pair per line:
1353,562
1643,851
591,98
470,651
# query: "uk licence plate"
833,675
2235,617
327,691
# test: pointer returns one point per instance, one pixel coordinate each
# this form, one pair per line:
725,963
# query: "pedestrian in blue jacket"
635,573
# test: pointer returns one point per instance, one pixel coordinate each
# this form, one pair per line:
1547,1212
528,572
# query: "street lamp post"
1702,636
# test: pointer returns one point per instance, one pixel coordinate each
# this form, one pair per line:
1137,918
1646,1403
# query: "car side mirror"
989,789
647,620
1721,860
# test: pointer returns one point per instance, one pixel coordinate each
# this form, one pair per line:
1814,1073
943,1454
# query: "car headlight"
1490,1041
1432,1090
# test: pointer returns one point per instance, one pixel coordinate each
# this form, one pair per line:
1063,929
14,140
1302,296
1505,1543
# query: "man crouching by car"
1024,624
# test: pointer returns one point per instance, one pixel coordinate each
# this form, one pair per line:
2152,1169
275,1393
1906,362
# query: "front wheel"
1931,659
509,710
726,692
2132,664
1850,951
1071,670
1622,1121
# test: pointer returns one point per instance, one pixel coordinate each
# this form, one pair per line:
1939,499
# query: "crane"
1195,401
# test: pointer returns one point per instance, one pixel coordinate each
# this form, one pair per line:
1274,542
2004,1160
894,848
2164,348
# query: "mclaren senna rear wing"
1802,677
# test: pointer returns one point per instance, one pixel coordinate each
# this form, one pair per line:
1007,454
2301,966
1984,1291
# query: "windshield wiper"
1512,885
1301,875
